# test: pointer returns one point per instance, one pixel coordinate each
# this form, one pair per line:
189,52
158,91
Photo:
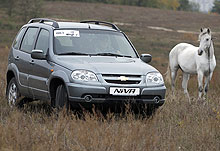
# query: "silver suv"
91,62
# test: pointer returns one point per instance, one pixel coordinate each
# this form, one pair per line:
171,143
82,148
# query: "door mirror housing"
146,58
38,54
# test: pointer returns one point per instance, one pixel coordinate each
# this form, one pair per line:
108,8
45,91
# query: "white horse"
194,60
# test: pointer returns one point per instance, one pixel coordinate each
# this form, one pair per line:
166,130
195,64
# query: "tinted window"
18,38
43,41
28,41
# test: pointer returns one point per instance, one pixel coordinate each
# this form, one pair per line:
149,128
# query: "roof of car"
83,24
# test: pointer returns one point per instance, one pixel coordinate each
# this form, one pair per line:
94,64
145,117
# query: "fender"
12,67
22,88
59,74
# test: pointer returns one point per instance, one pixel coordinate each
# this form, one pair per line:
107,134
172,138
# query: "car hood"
106,64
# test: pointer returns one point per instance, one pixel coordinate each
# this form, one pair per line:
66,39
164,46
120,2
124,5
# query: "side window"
28,41
43,41
18,38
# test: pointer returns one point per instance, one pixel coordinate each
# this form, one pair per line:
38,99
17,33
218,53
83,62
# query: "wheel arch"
12,71
54,82
9,76
57,78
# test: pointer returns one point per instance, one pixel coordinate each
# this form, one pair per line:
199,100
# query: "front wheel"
12,93
61,99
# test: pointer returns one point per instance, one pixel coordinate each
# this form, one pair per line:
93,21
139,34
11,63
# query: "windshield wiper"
98,54
112,54
73,53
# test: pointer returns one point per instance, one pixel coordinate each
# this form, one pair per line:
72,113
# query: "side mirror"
146,58
38,54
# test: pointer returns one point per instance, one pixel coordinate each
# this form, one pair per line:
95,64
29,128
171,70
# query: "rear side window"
43,41
28,41
18,38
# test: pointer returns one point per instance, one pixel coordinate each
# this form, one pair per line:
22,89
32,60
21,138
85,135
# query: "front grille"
122,82
122,79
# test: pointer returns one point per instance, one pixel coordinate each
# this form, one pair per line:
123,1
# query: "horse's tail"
168,75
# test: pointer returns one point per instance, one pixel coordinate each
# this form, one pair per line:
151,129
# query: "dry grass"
177,125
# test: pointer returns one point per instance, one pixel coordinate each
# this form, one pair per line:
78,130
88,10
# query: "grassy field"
177,125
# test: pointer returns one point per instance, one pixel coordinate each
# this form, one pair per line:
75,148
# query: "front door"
39,75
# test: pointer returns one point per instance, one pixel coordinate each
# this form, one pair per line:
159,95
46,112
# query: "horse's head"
205,39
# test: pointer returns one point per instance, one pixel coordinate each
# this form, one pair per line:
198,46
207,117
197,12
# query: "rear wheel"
61,99
12,93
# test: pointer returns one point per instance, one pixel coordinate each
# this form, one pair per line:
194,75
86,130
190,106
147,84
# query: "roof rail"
42,20
102,22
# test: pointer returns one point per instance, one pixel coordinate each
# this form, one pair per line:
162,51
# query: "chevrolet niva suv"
91,62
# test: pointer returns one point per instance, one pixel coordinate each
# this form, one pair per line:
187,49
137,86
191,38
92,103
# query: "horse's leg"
173,78
174,66
185,83
206,87
200,82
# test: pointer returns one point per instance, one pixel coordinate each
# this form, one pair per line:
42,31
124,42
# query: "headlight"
154,78
83,75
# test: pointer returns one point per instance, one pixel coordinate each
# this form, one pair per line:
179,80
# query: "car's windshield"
92,42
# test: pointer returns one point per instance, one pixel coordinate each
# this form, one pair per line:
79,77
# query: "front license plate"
125,91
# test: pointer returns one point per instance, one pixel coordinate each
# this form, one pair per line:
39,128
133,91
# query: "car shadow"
106,111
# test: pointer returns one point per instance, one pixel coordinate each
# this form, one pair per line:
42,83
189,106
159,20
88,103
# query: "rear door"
22,58
40,72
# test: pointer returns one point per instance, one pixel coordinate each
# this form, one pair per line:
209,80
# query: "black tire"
61,99
12,93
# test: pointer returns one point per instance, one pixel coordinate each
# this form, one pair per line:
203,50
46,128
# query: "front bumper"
99,93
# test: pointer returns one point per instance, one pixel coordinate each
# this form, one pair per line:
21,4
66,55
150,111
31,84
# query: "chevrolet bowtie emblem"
123,78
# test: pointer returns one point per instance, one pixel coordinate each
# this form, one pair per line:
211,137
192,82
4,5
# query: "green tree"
150,3
169,4
184,5
216,7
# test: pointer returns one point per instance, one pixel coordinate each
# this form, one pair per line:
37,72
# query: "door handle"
31,62
17,58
